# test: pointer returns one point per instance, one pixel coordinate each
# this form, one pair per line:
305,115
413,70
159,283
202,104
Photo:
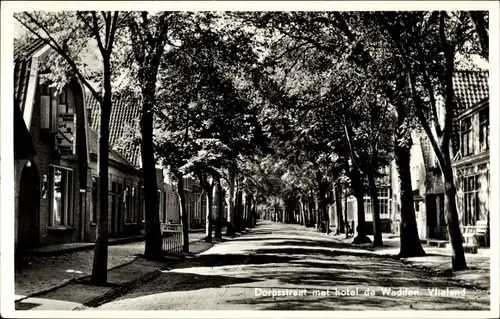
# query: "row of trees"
296,105
360,80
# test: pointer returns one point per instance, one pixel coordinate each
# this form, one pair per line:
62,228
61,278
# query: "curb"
113,293
124,288
74,280
87,246
47,290
119,291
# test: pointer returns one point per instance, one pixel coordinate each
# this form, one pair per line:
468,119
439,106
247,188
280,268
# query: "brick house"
385,204
124,199
125,115
470,137
50,184
472,162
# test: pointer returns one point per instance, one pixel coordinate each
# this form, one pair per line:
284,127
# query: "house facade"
50,185
470,149
125,115
385,191
472,165
124,195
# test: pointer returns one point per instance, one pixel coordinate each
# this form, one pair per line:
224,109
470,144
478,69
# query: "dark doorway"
28,208
435,216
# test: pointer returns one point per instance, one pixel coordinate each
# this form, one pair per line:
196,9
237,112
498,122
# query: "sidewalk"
72,247
79,293
438,259
37,274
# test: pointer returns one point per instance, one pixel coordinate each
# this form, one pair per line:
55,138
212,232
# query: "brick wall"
45,157
120,228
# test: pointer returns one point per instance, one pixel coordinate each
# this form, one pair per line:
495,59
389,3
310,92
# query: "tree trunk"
458,257
100,264
377,228
345,212
338,209
220,210
325,207
302,211
230,231
153,246
249,219
239,210
184,214
359,192
208,230
312,214
410,242
317,212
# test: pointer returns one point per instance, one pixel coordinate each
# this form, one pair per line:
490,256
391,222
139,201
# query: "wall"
129,177
45,156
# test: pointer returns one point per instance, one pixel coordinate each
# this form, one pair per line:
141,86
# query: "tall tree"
69,34
428,49
481,20
149,35
350,37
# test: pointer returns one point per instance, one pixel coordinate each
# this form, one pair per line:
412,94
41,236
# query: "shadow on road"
296,261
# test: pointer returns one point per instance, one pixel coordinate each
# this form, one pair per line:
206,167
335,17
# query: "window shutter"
45,112
54,121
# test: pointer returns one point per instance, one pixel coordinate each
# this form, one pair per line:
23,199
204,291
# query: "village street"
305,270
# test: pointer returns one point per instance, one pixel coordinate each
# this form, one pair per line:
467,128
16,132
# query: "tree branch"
55,46
430,89
95,30
109,45
448,50
107,25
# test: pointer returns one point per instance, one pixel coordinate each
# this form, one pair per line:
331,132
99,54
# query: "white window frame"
68,205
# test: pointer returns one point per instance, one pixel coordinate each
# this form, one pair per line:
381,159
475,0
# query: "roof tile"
471,87
123,114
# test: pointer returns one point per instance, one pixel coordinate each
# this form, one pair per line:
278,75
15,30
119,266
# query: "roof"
114,155
23,52
471,87
123,113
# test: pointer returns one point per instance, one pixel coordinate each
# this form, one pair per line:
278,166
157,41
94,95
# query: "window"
159,204
133,205
384,203
48,108
119,204
368,205
143,208
113,201
466,137
484,129
470,186
63,97
164,207
93,213
126,201
61,196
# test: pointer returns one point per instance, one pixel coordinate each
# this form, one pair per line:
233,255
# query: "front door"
431,215
28,208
